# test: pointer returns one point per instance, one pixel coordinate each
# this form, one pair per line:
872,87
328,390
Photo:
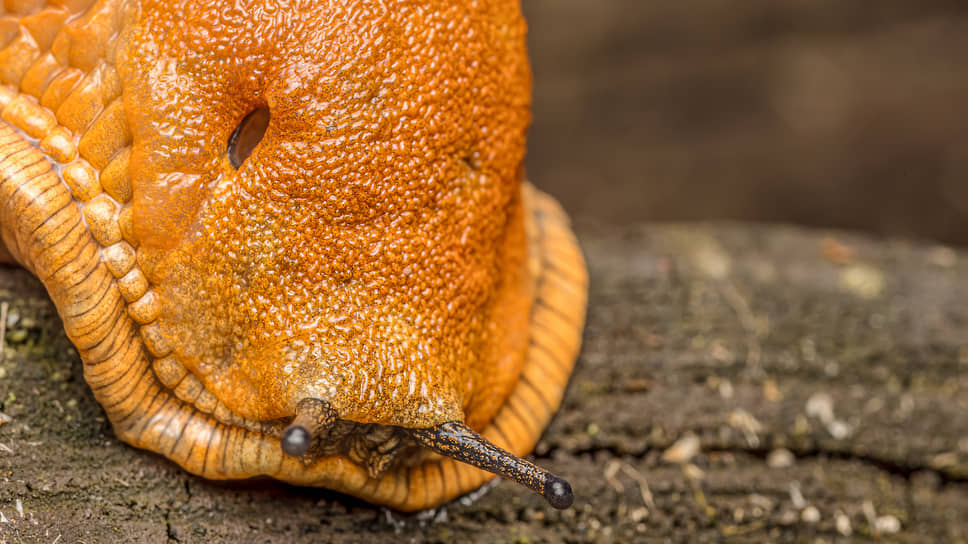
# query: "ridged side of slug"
61,93
65,191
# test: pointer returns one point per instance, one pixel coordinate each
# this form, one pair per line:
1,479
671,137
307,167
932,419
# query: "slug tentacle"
458,441
313,416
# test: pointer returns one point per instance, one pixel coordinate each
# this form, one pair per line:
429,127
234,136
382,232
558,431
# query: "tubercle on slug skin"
377,250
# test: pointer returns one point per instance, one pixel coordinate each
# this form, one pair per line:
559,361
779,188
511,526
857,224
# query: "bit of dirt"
736,384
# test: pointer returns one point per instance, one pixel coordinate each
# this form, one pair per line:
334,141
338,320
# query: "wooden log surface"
737,383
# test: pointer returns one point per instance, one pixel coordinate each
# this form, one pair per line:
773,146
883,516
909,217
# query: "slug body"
293,238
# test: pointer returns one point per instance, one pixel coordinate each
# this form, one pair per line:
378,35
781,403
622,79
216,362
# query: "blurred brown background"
820,112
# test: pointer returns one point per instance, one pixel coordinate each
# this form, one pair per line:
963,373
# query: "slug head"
327,206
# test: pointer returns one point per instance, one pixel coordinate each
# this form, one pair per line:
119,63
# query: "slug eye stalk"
313,417
458,441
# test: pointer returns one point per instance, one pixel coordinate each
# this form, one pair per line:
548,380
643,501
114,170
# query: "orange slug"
292,238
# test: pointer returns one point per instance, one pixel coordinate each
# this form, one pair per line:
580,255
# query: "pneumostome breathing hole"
247,135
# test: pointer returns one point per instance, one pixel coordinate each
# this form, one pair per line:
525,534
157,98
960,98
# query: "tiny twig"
3,329
747,320
613,468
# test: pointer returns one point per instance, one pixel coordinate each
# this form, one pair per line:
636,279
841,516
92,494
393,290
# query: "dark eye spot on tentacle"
247,136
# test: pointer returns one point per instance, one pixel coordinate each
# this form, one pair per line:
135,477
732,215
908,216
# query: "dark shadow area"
827,113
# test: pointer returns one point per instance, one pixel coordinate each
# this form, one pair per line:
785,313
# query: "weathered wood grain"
824,376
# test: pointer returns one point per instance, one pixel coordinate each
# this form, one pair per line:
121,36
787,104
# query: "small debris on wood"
692,472
682,450
820,405
771,392
842,524
796,496
810,515
780,458
4,306
638,385
862,280
887,525
611,471
835,251
744,422
884,525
